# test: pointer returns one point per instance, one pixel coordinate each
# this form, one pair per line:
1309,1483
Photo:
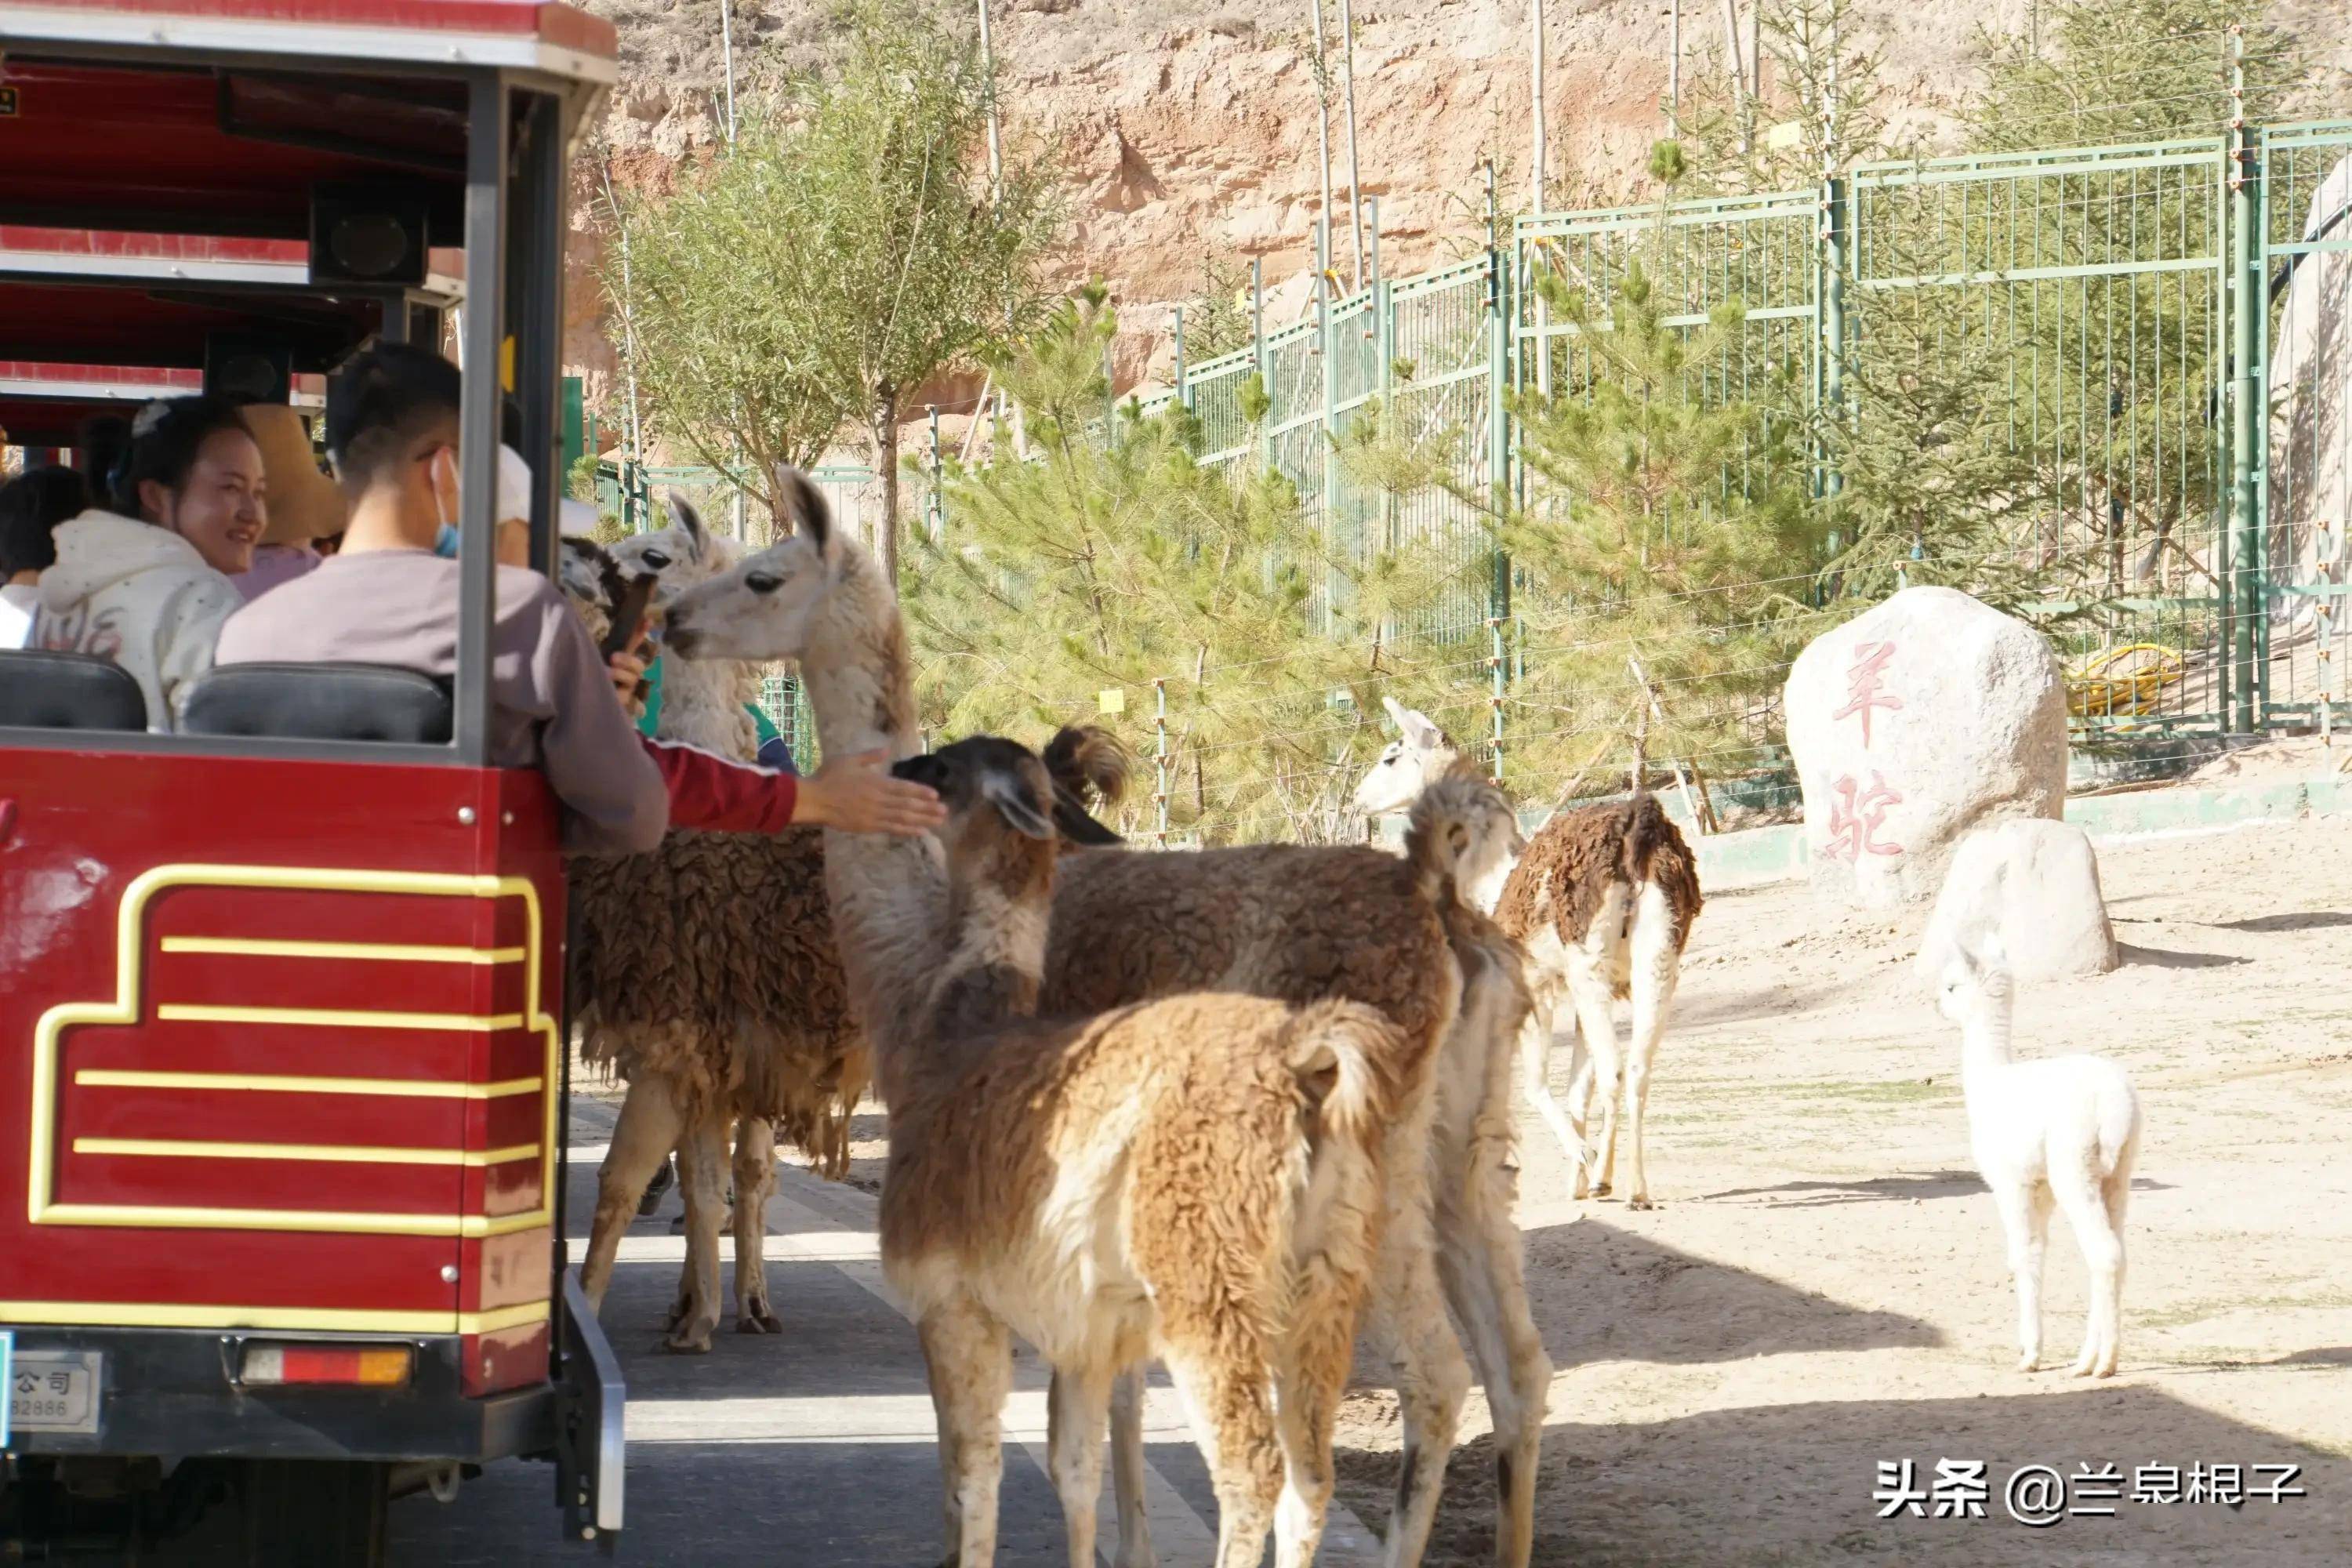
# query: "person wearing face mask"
388,596
142,577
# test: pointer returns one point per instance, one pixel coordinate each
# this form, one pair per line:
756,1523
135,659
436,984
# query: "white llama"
2062,1128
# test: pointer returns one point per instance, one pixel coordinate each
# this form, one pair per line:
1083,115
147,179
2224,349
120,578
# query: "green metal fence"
2176,322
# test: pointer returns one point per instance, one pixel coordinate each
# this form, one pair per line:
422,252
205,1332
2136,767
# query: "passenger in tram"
140,577
31,506
388,596
305,505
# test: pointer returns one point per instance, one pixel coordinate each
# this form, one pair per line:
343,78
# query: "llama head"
767,605
1006,816
684,553
1421,754
1972,973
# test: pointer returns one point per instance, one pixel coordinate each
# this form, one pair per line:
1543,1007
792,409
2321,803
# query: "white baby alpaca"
2062,1130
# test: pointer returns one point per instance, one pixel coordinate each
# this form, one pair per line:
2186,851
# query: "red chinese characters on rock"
1862,691
1857,816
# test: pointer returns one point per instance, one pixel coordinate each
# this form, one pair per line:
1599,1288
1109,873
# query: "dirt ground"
1825,1288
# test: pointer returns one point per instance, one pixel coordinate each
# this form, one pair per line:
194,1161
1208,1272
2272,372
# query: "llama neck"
1987,1043
997,968
889,895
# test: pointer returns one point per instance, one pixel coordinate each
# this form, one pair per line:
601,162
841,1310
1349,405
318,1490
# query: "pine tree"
1669,529
1116,562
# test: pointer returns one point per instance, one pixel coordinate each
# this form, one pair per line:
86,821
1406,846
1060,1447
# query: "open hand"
857,795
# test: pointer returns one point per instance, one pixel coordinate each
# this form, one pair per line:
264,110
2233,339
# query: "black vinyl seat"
44,691
321,702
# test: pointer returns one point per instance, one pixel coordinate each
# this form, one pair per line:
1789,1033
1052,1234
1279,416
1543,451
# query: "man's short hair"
381,403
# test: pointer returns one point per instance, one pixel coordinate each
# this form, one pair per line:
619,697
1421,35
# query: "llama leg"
1535,1080
1074,1410
2025,1219
1126,1469
755,1178
1432,1377
2079,1195
2116,1194
1223,1387
1309,1381
969,1357
703,1179
1580,1094
641,1141
1480,1263
1598,1031
1656,967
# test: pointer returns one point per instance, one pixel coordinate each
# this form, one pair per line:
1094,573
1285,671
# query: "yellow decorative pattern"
176,1315
337,1018
123,1008
246,947
280,1083
336,1153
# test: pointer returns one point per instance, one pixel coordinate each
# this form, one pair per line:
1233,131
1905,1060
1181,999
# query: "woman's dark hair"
160,444
32,504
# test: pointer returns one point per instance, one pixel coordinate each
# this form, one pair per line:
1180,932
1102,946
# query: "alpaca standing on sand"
2059,1128
1284,922
1197,1179
1602,897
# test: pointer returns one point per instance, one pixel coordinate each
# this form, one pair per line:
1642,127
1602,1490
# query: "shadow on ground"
1788,1485
1616,1296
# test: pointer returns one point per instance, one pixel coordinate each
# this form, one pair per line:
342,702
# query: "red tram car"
282,1037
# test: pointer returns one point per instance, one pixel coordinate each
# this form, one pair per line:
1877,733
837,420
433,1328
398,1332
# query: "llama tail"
1450,824
1341,1056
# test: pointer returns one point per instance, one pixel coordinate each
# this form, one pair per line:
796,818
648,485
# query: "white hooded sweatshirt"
140,596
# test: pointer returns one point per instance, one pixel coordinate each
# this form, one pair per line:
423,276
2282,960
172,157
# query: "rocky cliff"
1185,129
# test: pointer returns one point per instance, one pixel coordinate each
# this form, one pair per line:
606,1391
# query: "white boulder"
2036,885
1924,718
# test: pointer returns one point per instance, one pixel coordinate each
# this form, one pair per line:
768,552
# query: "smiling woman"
144,583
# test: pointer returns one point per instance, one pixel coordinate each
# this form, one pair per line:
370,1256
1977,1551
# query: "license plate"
53,1391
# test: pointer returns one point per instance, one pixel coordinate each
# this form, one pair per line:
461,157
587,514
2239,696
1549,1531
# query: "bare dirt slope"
1824,1286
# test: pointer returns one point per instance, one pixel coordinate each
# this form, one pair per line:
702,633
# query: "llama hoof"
1640,1201
1580,1192
2029,1364
1602,1189
694,1340
677,1313
758,1321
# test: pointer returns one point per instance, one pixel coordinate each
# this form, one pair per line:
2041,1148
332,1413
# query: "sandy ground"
1824,1287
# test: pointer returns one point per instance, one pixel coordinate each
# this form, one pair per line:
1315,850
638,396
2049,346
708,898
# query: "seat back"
40,690
321,702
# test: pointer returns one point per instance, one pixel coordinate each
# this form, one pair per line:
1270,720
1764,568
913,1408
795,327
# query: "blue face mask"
445,542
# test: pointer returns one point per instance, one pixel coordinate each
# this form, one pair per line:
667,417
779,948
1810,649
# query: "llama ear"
1396,710
1009,793
1420,731
682,514
801,508
1077,827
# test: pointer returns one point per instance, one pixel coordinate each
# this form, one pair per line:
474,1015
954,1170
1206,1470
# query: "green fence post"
931,516
2246,299
1498,471
574,426
1832,260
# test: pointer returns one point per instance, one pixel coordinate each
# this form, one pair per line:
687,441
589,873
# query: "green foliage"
1217,319
1116,560
1823,105
2124,70
847,247
1667,525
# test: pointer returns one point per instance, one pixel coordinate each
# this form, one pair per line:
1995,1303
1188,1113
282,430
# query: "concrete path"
813,1447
